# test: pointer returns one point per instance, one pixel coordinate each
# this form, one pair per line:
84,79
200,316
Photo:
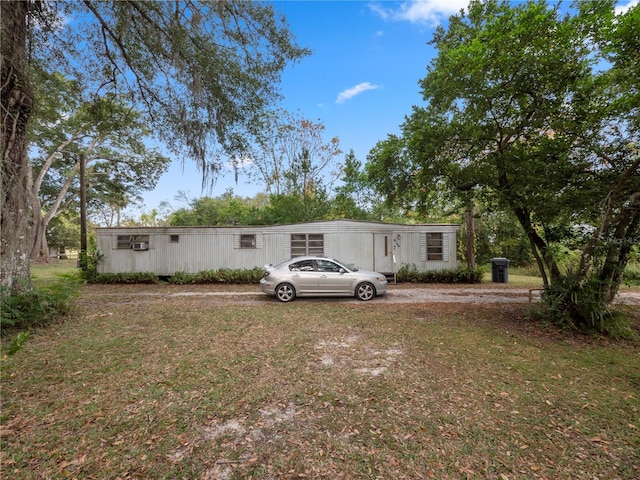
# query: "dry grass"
204,388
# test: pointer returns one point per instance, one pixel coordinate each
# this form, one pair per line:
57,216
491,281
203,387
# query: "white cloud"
357,90
421,11
433,11
378,10
620,9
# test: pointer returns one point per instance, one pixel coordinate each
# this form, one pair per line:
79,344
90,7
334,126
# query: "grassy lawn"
205,388
46,273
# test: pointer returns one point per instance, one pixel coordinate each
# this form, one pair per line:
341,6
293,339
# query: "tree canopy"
202,70
106,132
534,110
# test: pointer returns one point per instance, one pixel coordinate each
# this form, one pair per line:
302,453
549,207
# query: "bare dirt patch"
355,353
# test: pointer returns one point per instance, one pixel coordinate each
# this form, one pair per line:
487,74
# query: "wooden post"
83,214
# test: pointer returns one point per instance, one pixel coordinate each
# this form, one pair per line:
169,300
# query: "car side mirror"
342,270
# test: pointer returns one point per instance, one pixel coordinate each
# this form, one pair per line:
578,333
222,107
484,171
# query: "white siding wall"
351,248
200,249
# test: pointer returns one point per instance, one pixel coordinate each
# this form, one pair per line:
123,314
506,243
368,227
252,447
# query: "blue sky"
360,80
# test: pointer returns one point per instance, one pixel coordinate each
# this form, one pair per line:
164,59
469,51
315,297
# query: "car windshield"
350,266
276,267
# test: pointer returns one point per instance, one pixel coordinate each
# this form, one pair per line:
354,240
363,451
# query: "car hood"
368,272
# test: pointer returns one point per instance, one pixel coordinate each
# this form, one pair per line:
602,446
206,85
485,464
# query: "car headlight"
381,279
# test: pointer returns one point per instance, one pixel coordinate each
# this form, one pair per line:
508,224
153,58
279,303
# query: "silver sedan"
319,276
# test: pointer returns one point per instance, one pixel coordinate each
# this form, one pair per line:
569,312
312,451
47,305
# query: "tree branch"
49,161
143,90
589,249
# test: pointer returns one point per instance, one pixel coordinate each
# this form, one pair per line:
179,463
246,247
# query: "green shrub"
580,306
230,276
90,272
221,276
410,274
125,278
38,308
182,278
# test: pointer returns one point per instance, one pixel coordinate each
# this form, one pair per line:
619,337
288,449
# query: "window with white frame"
132,242
247,241
307,244
435,247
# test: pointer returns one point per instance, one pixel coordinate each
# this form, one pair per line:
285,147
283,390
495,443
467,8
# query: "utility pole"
83,215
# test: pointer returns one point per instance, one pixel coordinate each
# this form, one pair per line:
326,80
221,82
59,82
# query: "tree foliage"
105,131
203,69
228,209
354,197
63,231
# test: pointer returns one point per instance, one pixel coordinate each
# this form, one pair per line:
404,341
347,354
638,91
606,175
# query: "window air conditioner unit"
140,246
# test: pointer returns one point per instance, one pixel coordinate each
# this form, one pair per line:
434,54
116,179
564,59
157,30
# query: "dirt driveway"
404,293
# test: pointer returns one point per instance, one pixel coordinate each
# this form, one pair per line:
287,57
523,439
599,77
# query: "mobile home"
382,247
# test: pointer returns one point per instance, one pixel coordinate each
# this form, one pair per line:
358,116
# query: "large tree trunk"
627,223
40,247
16,101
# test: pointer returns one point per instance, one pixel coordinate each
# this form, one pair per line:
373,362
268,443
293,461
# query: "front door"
383,251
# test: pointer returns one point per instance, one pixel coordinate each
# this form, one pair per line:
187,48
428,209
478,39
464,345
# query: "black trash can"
500,270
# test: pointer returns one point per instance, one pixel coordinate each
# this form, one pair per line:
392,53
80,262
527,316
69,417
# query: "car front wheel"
365,291
285,292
